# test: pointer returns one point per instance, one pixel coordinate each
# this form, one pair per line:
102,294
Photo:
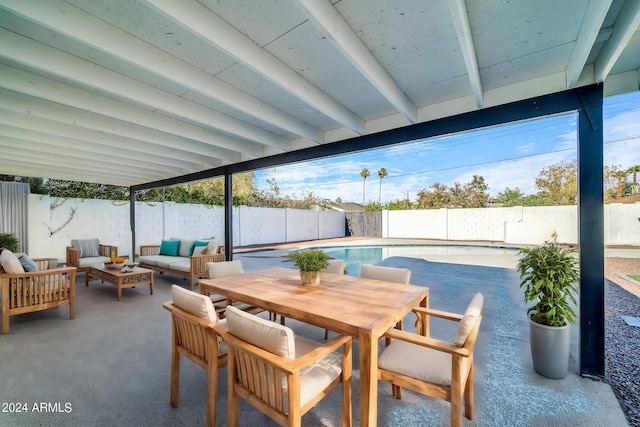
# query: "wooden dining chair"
281,374
193,336
436,368
217,270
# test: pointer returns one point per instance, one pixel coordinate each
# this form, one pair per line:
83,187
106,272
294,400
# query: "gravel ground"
622,342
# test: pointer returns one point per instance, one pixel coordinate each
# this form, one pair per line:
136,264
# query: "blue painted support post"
591,231
228,215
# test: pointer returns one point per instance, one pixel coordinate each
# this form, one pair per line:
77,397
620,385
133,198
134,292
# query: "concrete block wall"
109,221
513,225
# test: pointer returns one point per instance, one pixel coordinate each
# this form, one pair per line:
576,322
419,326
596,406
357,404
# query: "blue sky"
506,156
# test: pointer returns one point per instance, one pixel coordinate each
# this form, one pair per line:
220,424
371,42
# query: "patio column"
591,231
228,215
132,221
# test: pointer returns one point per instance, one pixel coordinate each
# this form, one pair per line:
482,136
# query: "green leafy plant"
310,259
9,241
549,274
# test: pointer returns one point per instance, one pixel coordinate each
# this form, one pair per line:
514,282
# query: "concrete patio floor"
110,365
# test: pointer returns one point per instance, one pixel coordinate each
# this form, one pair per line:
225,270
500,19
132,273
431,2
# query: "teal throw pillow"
170,247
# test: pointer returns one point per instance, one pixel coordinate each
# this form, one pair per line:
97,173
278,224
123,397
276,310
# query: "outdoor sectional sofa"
184,258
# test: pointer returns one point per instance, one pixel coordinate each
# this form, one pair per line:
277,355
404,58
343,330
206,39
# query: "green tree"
382,172
473,194
635,189
510,197
559,182
620,176
364,174
398,204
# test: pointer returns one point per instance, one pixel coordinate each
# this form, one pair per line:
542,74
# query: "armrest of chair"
423,341
44,263
149,250
73,257
108,250
199,262
424,311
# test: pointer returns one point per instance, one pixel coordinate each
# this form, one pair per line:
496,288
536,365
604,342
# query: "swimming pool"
355,256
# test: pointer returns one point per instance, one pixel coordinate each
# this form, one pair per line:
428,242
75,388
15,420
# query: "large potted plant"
549,274
310,262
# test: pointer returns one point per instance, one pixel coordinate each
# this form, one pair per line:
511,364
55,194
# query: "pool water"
355,256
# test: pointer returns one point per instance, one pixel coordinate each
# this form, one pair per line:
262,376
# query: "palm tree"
382,172
620,176
364,174
634,170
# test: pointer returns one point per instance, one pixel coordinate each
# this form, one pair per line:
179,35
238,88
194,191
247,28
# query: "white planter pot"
550,346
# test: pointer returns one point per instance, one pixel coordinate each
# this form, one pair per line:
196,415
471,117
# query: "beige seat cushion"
336,266
272,337
417,362
280,340
194,303
469,319
388,274
225,268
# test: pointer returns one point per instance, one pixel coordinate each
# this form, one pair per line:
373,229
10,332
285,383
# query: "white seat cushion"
272,337
91,261
417,362
165,261
224,268
469,319
180,266
388,274
194,303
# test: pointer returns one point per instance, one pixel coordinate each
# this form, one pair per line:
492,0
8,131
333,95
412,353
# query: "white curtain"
14,203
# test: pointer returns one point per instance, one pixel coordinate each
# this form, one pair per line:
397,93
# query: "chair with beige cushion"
436,368
30,285
193,336
388,274
217,270
281,374
85,253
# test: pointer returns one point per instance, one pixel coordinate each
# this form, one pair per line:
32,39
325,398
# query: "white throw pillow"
10,262
194,303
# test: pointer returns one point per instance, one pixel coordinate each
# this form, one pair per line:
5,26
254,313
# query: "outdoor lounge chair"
44,288
279,373
193,336
85,253
436,368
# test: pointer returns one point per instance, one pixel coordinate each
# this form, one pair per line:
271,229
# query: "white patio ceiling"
125,92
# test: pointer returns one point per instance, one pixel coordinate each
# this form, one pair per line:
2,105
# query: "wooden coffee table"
140,276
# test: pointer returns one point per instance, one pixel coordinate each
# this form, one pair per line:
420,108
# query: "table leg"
151,282
368,379
119,286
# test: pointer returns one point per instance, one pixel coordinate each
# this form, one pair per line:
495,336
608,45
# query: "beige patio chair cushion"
417,362
194,303
224,268
267,335
469,319
336,266
388,274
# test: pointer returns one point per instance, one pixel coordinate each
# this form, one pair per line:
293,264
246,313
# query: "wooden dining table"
361,308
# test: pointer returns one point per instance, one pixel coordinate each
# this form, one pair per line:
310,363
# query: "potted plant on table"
549,274
310,262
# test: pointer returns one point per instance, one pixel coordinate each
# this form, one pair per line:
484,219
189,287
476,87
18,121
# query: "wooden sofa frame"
35,291
198,267
73,256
